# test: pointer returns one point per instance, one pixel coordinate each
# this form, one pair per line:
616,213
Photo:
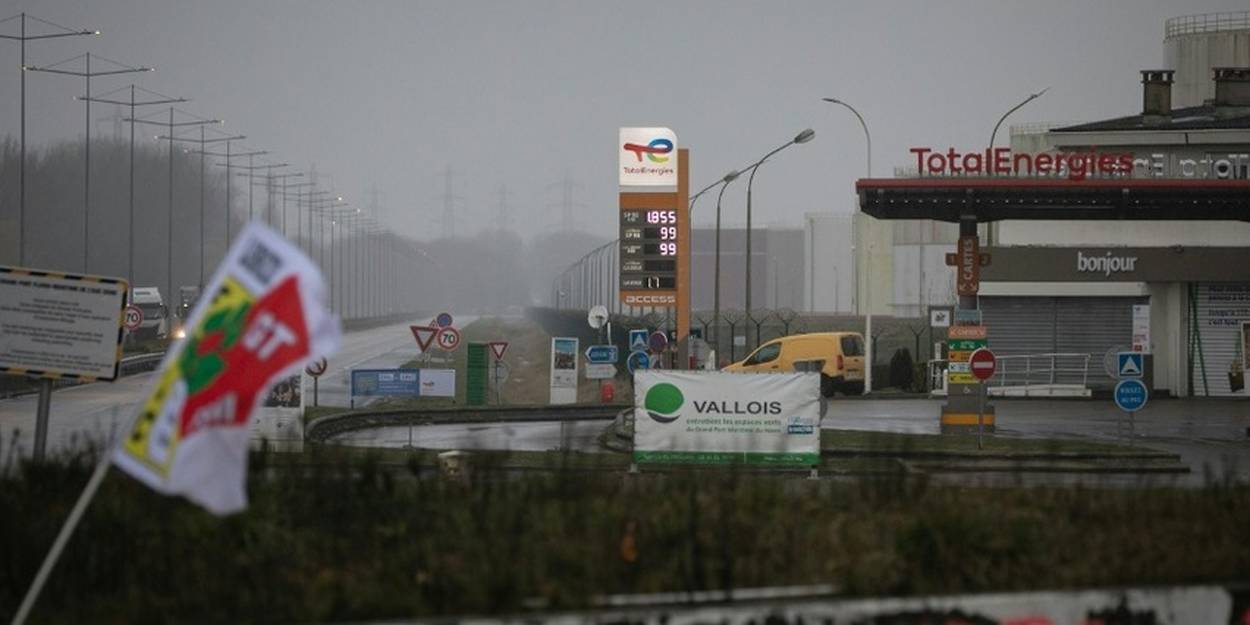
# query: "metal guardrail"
1027,370
1206,23
322,429
131,365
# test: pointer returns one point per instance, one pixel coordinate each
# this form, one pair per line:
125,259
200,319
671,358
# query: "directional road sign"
638,340
498,348
1131,365
602,354
443,320
1131,395
600,371
982,363
448,338
424,336
638,360
134,317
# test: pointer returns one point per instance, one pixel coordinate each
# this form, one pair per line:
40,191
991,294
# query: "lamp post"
21,166
130,224
228,165
202,141
803,137
281,188
867,310
171,124
87,75
1032,96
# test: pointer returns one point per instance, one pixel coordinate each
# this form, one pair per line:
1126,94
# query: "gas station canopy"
993,199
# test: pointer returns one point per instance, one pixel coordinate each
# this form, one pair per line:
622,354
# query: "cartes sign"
968,261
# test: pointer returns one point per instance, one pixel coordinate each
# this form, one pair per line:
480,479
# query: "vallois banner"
722,418
262,319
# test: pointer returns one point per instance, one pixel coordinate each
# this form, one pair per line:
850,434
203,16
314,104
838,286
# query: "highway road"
95,412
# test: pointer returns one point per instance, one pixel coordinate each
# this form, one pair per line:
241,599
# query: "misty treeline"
490,270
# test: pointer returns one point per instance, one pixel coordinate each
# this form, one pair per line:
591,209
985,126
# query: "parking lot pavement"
1209,434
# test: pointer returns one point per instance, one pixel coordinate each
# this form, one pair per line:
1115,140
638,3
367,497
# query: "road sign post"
315,370
1130,396
982,364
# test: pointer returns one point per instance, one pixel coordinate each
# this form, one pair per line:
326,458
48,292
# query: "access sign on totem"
654,226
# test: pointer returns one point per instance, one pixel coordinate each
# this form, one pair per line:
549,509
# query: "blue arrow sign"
1131,395
602,354
638,340
638,360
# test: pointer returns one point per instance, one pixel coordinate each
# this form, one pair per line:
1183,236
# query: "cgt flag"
262,318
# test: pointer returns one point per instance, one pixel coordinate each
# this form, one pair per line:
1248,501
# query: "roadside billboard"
373,383
55,325
564,365
727,418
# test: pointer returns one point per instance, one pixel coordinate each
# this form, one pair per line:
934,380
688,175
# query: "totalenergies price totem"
655,226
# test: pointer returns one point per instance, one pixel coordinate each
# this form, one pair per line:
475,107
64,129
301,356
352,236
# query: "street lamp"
87,74
1032,96
21,166
130,224
171,124
867,310
203,142
803,137
228,165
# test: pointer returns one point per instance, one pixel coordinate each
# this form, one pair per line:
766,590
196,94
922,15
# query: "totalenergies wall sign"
1079,164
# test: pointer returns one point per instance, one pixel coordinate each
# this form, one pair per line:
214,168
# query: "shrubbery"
330,538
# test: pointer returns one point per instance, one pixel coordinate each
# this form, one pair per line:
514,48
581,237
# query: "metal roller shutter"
1220,308
1064,325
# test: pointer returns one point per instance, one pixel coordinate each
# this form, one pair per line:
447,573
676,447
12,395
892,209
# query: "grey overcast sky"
519,93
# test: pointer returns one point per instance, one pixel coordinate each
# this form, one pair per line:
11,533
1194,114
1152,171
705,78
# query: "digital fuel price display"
649,251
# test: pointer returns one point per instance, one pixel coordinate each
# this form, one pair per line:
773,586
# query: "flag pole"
54,554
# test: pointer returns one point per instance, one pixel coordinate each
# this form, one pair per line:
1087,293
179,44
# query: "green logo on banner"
663,401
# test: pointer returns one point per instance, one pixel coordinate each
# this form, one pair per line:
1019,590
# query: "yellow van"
838,356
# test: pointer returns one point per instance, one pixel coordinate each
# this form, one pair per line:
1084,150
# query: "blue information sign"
1131,365
638,360
602,354
1131,395
638,340
386,382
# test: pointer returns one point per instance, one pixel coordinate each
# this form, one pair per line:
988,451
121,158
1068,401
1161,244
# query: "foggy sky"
521,93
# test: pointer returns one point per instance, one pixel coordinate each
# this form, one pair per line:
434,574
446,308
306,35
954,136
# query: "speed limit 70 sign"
133,318
447,338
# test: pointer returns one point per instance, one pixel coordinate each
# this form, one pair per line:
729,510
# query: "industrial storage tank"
1193,44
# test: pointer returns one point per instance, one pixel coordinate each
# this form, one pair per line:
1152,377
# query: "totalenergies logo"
653,150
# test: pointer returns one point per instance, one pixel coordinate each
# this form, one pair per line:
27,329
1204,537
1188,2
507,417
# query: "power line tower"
503,216
449,206
568,214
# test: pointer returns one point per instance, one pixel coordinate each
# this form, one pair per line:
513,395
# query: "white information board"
724,418
60,325
564,365
280,418
437,382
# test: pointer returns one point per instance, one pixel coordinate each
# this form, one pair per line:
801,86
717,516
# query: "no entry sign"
982,363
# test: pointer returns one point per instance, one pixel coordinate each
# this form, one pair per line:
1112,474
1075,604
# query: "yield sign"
424,336
498,348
